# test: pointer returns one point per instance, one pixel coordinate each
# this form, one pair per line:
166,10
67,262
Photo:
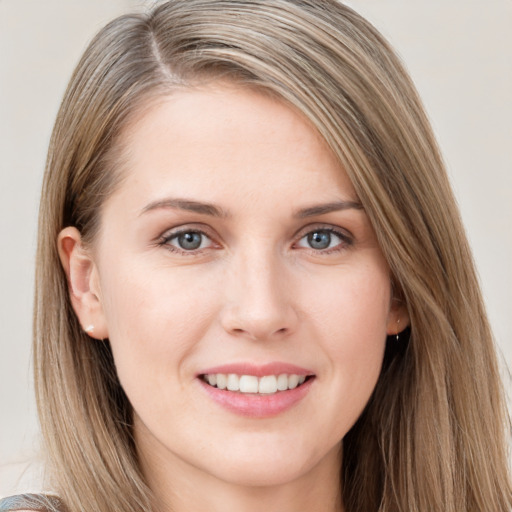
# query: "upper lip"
274,368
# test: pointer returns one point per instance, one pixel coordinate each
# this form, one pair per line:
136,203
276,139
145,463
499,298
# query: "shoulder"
31,503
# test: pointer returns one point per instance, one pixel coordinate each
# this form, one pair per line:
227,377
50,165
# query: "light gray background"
459,53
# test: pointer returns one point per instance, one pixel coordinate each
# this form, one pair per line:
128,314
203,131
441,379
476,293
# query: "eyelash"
346,240
169,236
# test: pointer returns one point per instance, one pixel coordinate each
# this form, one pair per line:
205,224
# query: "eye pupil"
190,241
319,239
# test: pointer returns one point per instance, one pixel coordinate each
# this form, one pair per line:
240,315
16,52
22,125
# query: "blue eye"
319,240
323,239
188,240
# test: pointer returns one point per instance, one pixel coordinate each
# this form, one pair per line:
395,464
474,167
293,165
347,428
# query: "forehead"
230,135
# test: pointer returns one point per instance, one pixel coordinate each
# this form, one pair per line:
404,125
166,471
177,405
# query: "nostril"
257,321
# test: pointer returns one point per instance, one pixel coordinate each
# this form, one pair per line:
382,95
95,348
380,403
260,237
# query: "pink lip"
275,368
255,405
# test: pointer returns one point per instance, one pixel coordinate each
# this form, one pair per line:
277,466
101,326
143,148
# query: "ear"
83,282
398,318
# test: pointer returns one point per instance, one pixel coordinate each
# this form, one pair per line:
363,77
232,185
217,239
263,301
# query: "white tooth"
248,384
302,378
222,381
268,384
282,382
293,381
233,382
212,379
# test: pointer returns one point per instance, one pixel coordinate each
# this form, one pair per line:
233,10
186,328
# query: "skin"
254,291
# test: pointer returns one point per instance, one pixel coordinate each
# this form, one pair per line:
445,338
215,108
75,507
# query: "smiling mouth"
250,384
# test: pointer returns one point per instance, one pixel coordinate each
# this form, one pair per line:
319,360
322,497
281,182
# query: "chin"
274,466
261,473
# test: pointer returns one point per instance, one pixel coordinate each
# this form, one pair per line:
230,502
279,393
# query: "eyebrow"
186,204
323,209
215,211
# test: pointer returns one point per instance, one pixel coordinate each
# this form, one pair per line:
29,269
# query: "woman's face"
236,251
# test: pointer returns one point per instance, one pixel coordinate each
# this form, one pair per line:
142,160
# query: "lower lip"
257,406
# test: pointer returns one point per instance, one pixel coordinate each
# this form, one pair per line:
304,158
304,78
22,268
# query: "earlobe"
398,318
83,282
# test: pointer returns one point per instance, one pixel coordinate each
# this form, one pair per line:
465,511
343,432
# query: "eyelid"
318,226
169,234
346,237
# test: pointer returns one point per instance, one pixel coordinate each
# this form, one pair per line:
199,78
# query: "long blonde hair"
433,436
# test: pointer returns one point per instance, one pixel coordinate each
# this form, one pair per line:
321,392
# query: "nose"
259,299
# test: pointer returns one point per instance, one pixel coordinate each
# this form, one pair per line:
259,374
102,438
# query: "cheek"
364,315
352,322
155,321
353,306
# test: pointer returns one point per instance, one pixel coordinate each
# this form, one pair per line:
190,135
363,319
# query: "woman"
254,288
